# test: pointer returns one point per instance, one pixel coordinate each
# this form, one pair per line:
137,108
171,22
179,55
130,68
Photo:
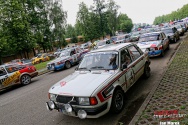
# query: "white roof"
112,47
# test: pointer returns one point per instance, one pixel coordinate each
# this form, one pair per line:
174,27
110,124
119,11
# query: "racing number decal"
12,78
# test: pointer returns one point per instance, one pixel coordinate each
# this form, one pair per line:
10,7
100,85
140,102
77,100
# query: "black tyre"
25,79
175,40
162,53
147,71
67,64
117,103
168,47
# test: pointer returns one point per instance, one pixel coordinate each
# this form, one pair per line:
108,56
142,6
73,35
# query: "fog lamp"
82,114
51,104
68,108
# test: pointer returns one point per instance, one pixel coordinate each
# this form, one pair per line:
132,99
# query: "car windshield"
100,61
135,34
64,53
178,26
148,38
114,38
166,31
39,56
100,43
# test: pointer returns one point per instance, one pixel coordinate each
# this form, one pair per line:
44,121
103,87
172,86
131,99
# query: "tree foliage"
28,24
175,15
101,19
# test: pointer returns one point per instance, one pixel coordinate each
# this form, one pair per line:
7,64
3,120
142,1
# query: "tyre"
147,71
175,40
67,64
162,53
168,47
117,103
25,79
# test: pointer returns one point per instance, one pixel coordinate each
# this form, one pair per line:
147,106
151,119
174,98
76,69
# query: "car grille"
66,99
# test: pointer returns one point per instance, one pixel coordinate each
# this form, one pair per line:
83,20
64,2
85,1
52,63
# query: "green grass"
41,65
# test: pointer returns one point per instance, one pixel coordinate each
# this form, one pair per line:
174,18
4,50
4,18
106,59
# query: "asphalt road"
25,105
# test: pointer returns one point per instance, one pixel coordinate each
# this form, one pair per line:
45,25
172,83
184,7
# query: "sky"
140,11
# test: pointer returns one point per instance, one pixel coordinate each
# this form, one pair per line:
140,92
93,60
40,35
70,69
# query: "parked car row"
105,73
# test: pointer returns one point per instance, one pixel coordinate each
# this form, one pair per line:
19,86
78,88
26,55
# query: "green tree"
58,18
124,23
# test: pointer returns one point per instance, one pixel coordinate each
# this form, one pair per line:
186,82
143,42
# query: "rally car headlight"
171,36
52,97
83,101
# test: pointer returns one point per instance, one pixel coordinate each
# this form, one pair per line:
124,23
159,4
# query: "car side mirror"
124,66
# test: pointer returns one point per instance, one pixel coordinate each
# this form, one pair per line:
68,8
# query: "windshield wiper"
97,67
83,68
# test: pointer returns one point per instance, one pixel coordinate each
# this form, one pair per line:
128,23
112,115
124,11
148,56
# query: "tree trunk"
34,52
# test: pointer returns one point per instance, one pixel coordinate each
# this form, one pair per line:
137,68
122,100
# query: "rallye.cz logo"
169,117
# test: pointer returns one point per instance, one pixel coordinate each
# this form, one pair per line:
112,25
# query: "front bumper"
154,53
53,67
91,111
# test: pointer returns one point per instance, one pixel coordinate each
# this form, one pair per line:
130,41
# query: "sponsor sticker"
11,78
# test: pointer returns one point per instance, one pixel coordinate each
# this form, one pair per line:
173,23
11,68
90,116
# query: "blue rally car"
155,43
67,58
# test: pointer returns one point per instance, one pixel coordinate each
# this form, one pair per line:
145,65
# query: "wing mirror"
124,66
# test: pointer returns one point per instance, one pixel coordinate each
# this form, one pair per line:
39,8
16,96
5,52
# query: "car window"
19,67
100,60
2,71
125,58
160,37
134,53
163,36
11,69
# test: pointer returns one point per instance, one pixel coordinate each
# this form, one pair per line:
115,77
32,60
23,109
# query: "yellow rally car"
40,58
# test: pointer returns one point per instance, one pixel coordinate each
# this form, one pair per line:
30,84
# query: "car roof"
169,28
12,64
112,47
149,34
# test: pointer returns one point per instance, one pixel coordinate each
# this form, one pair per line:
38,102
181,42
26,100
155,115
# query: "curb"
148,98
43,72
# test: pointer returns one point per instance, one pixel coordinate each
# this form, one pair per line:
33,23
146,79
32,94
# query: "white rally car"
98,84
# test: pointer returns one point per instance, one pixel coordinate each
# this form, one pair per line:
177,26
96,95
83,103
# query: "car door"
3,77
127,79
165,40
13,75
138,62
74,55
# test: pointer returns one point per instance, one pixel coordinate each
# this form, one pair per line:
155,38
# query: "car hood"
82,83
59,59
149,44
